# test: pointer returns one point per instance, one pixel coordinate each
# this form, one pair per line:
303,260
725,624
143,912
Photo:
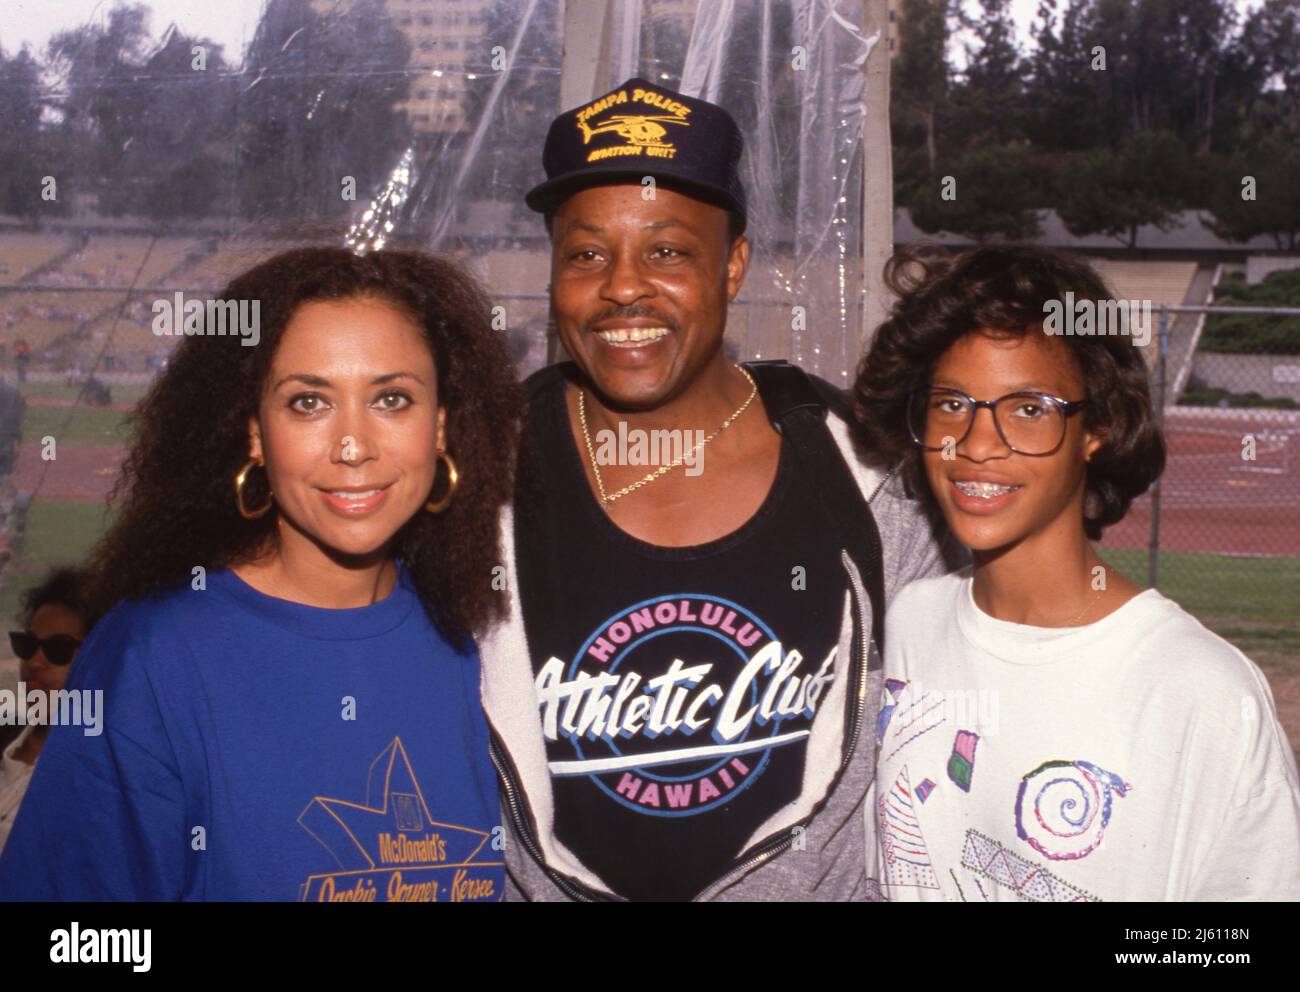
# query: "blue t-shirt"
254,748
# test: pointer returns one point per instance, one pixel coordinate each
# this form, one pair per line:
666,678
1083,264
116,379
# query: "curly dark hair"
1002,290
178,506
69,587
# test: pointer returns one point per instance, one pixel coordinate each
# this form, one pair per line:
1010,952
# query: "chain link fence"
1220,531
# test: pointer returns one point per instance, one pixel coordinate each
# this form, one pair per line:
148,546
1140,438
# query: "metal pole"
1153,543
877,236
585,65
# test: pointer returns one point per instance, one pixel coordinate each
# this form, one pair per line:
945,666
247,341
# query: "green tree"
919,89
1270,49
1257,192
990,98
318,105
97,66
1148,180
994,193
178,156
1064,90
25,154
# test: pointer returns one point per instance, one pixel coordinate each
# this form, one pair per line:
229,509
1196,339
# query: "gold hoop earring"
240,479
453,480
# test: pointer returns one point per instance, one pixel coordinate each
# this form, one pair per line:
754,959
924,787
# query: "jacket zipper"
880,485
767,848
786,838
505,772
863,659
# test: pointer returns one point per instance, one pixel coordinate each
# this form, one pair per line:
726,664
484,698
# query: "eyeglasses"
59,648
1028,423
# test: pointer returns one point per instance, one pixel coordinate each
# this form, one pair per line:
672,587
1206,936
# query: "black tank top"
676,686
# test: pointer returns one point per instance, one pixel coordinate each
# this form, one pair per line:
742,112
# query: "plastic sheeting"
372,122
800,106
793,75
140,160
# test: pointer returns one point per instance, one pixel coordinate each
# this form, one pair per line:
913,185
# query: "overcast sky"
230,23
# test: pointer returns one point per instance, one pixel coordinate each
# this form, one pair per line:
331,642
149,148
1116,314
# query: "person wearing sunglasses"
56,618
302,555
1048,730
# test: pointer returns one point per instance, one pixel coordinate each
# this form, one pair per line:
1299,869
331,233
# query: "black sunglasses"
59,648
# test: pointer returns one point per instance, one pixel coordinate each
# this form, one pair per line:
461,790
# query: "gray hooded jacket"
812,849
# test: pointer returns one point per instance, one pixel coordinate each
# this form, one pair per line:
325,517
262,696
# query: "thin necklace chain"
607,498
1089,605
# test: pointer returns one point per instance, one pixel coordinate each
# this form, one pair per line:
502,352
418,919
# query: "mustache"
633,312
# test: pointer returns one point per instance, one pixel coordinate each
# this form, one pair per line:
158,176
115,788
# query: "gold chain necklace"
607,498
1089,605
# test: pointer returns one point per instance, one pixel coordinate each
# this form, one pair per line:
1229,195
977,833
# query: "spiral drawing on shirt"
1063,807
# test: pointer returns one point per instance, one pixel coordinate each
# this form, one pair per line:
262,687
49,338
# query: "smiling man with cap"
683,699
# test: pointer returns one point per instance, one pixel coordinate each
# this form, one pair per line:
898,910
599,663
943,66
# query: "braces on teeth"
984,490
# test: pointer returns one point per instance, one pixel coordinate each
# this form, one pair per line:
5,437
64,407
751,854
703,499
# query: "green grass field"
74,425
1252,602
58,391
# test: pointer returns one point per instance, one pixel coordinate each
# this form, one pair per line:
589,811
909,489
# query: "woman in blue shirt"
304,548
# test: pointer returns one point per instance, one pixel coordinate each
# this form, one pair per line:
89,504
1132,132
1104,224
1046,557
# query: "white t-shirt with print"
1135,758
14,778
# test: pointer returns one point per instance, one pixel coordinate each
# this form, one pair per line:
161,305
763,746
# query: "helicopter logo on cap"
637,129
644,134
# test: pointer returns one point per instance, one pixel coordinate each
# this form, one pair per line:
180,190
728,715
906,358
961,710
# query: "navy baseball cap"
640,129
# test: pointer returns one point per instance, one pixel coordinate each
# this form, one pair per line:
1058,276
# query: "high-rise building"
448,41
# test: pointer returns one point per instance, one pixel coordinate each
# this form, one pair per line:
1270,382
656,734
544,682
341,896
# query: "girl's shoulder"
1169,655
933,594
1162,634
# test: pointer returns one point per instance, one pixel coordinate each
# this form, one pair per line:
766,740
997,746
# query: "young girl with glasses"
1049,731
